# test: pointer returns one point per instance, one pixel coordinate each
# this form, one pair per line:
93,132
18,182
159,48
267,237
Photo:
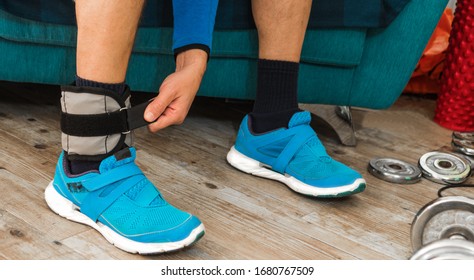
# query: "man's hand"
177,91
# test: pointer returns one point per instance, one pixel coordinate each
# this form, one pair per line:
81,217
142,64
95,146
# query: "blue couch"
351,66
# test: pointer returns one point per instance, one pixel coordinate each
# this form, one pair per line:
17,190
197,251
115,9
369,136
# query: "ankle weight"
96,123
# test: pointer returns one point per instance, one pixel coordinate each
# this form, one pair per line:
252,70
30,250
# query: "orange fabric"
427,75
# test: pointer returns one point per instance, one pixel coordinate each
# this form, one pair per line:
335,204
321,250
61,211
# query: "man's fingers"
154,110
160,103
163,121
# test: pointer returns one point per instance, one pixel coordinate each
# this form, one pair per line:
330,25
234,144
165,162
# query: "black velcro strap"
94,125
122,121
135,116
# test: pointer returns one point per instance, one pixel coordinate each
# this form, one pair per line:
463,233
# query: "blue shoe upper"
295,151
121,197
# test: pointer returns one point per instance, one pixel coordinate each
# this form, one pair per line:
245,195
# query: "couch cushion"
336,47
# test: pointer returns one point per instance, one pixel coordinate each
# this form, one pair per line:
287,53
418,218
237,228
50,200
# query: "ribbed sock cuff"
118,87
277,86
265,122
277,95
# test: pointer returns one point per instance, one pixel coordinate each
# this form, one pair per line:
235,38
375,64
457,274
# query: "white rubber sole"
70,211
251,166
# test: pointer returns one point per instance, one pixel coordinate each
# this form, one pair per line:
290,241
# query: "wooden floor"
245,217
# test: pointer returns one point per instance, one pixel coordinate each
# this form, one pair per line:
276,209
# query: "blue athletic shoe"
295,157
123,205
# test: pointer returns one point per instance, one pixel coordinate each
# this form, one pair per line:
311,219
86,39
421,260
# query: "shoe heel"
251,166
63,207
242,162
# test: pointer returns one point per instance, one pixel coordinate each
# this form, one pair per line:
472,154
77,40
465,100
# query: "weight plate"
444,168
470,159
466,148
446,249
464,142
463,135
443,218
449,223
394,170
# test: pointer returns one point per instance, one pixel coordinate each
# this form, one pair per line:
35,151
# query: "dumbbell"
444,229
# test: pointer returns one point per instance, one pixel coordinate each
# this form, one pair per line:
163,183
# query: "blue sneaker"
295,157
123,205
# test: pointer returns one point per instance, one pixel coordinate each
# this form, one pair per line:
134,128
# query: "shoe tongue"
300,118
121,157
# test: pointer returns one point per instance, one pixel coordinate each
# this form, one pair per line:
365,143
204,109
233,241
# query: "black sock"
277,95
118,87
81,166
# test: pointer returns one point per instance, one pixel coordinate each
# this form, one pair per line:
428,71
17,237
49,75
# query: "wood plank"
26,201
19,240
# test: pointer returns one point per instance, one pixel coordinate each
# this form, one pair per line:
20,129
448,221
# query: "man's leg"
97,181
275,140
106,32
281,26
281,29
105,37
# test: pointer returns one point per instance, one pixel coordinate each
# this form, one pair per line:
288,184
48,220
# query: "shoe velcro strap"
119,122
94,204
301,135
111,176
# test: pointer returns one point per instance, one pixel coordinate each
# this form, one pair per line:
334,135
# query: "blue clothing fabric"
193,22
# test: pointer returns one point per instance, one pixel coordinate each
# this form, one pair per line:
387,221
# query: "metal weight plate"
463,146
394,170
449,217
470,159
463,142
446,249
444,168
463,135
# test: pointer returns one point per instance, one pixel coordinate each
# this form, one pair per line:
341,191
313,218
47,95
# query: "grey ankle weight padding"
92,104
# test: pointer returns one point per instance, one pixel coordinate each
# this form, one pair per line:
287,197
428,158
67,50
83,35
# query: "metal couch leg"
339,118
